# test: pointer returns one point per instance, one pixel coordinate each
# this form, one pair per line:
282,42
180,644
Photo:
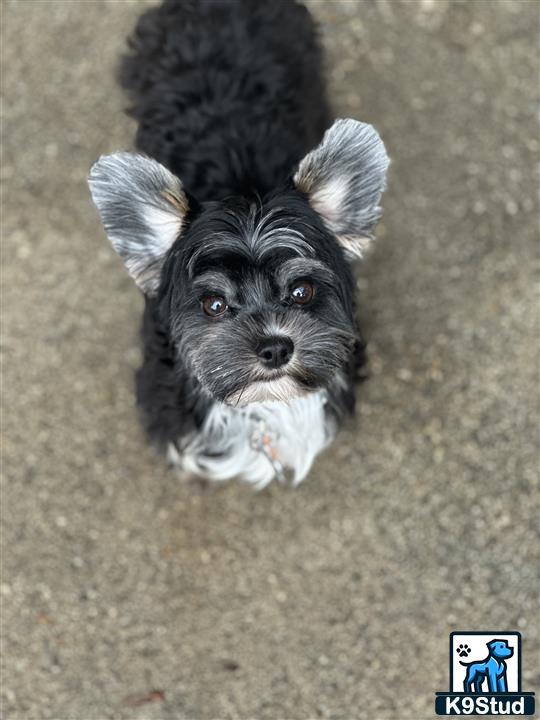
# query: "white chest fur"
226,446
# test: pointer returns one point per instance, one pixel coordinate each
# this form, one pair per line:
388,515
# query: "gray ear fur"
142,207
344,178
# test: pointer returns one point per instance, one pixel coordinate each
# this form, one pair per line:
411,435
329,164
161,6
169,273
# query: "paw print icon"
463,650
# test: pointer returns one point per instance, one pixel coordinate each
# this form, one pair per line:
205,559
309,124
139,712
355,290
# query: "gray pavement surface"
126,594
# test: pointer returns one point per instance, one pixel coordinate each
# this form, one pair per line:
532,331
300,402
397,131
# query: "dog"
238,219
493,668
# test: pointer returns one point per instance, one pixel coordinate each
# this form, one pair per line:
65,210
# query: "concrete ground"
128,595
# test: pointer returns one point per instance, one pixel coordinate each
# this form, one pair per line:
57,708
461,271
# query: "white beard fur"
283,389
301,428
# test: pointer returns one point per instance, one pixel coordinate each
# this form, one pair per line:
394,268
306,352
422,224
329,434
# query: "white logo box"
477,642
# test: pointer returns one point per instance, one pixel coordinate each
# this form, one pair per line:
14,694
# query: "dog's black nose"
275,352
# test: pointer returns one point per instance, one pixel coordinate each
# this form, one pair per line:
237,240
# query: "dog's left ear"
344,178
143,209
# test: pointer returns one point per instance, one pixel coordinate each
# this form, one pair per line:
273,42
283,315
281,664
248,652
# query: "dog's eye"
303,292
214,305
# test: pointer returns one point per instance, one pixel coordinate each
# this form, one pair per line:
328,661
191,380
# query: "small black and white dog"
250,341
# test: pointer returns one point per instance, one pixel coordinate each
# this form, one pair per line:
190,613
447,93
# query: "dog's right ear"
143,209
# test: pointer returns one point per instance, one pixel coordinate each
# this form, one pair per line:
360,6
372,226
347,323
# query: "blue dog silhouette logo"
492,668
485,676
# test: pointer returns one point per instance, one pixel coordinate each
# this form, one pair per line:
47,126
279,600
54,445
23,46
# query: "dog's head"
499,649
257,295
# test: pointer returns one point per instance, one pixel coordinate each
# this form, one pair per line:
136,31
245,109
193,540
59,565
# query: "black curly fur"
229,94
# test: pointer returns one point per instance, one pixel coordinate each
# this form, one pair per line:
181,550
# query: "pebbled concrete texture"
128,595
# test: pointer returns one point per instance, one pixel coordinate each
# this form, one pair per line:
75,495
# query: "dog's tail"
473,662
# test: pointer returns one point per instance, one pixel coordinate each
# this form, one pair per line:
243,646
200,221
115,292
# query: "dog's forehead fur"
253,232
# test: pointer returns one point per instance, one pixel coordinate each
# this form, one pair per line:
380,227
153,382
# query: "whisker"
241,393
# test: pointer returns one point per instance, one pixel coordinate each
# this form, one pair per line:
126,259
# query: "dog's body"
229,96
493,668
